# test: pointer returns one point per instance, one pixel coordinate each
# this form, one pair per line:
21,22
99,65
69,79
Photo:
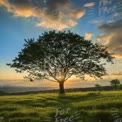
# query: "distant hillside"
21,89
2,93
30,90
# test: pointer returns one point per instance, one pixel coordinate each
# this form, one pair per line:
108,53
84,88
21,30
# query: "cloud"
19,8
112,76
88,36
103,38
77,13
112,37
54,14
90,4
57,25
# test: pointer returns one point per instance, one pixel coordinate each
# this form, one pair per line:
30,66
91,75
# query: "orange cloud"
88,36
90,4
51,24
24,10
112,37
63,21
57,14
103,38
76,14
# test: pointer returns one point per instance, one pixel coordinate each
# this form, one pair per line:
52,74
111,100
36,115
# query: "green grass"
105,106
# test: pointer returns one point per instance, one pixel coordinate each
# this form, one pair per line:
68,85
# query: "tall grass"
86,106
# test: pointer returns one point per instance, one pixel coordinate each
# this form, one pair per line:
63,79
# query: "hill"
2,93
22,89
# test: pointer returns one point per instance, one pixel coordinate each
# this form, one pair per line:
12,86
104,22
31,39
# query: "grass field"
105,106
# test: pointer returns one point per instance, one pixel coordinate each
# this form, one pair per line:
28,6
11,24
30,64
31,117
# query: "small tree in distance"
57,56
98,87
120,86
115,83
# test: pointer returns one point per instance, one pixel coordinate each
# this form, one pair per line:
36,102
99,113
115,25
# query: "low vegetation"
101,106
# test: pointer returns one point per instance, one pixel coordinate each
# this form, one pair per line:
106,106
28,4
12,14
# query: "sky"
97,20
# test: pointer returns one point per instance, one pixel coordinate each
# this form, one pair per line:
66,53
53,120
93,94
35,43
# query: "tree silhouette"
57,56
98,87
120,86
115,83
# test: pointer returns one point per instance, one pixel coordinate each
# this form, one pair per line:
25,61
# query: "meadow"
104,106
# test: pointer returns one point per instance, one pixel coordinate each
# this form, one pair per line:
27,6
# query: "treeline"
103,88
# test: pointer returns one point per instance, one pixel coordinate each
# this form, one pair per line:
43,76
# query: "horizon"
69,84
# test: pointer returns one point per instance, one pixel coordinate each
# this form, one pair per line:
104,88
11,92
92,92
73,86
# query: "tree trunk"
61,88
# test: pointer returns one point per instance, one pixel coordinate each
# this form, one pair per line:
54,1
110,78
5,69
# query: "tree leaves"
59,55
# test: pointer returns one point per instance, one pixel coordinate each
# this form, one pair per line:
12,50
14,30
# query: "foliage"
98,87
120,87
57,56
115,83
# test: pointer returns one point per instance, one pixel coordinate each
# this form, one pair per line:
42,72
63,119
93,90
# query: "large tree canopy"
57,56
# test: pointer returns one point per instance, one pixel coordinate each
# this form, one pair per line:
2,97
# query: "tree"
115,83
57,56
120,86
98,87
